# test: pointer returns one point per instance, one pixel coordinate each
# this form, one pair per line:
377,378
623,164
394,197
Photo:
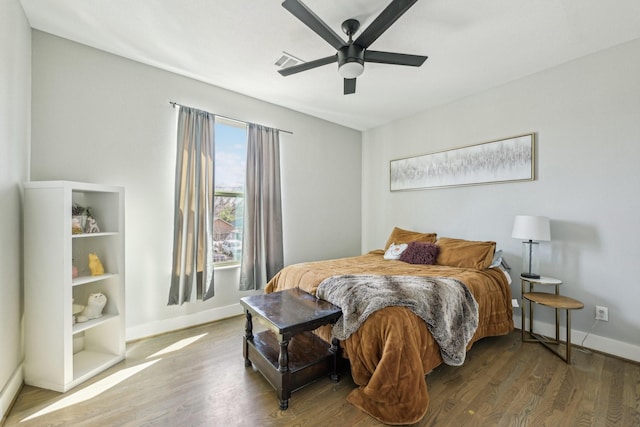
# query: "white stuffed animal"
94,307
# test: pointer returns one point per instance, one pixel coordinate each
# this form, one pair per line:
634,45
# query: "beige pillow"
465,253
398,235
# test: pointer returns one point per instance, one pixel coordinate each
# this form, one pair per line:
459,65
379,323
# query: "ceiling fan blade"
383,21
311,20
349,86
394,58
308,65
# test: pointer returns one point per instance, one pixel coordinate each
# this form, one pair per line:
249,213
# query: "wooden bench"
288,354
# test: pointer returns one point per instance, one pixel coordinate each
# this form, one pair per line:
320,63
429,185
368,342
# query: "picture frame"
504,160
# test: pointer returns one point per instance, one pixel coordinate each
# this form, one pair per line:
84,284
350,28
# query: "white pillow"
395,251
497,259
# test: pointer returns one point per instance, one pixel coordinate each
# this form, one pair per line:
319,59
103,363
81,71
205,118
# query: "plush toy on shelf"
95,266
93,310
76,309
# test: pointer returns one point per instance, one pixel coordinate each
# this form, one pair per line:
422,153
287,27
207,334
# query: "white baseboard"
10,391
181,322
593,342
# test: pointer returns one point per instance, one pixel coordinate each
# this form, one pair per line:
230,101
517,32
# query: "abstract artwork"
504,160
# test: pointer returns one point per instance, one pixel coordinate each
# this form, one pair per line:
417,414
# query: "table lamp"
532,229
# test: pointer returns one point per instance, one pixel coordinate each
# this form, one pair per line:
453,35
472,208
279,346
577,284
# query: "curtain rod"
173,104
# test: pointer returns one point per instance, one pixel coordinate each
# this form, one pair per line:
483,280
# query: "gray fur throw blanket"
445,304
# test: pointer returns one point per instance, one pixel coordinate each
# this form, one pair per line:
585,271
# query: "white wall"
102,118
586,114
15,104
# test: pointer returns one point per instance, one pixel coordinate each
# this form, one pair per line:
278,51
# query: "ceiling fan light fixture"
350,61
351,70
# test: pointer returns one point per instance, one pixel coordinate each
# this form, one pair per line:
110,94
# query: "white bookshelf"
59,355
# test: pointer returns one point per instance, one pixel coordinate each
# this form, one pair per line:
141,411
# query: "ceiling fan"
352,55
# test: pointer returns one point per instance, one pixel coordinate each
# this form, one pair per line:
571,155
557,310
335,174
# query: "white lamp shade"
531,228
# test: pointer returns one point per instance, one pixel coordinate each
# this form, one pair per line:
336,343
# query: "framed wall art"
504,160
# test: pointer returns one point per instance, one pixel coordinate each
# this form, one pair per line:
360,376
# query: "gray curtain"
192,271
262,253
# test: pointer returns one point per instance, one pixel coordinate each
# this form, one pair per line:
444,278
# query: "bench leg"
284,391
334,349
284,404
248,336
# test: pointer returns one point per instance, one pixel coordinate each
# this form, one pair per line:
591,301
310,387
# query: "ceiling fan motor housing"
350,53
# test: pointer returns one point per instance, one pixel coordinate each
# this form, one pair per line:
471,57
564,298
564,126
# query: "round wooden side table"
558,302
546,282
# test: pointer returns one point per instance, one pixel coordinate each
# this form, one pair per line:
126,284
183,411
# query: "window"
230,171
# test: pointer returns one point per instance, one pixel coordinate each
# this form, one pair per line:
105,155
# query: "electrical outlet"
602,313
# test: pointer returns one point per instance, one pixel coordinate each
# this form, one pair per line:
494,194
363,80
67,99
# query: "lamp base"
530,260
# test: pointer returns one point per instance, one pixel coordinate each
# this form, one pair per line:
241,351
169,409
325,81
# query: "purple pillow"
420,253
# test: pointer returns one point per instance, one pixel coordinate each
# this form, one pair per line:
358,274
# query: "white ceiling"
472,45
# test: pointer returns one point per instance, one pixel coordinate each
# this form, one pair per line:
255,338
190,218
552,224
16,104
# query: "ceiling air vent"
287,60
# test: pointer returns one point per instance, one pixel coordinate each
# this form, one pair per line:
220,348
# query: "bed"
393,349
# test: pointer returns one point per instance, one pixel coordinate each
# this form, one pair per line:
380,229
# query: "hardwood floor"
503,383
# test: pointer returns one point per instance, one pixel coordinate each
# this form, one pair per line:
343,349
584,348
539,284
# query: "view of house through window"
230,170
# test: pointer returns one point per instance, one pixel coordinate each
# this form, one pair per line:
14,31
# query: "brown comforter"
393,350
